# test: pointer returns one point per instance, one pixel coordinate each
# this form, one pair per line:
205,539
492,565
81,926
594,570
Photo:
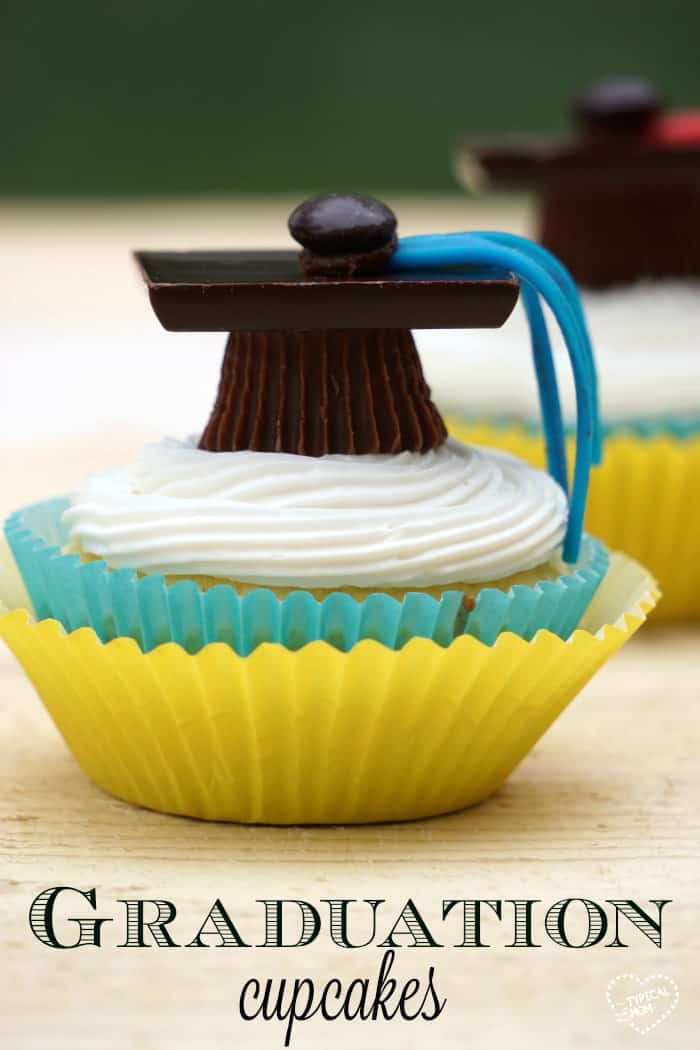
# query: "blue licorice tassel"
568,285
536,273
550,405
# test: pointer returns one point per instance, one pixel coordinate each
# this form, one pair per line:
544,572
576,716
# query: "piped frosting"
454,514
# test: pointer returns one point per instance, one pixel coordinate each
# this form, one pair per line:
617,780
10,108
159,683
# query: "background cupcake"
620,204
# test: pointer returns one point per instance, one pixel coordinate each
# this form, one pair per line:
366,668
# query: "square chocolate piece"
228,291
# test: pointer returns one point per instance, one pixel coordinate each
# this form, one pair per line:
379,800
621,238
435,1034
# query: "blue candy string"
550,405
563,277
539,275
568,286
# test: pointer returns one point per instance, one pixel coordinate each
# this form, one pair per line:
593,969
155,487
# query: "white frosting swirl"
457,514
646,340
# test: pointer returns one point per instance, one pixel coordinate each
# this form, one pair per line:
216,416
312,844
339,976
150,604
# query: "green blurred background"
216,96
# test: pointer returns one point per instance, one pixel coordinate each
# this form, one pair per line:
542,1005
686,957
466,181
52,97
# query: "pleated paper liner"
317,736
152,611
644,499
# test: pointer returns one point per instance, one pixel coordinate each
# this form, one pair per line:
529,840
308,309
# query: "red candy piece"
680,128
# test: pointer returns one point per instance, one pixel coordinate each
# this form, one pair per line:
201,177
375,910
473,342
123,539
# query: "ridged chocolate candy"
313,393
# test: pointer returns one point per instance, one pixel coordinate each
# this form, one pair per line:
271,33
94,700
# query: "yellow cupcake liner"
316,736
644,500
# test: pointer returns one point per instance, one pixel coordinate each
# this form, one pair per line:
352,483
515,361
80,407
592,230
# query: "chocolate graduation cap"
320,357
621,199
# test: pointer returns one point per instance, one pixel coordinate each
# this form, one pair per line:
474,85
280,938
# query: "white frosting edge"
456,514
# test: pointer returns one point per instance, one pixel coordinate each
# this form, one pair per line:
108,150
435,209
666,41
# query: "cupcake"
620,205
264,622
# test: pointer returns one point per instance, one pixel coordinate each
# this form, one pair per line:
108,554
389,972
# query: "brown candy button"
343,234
617,106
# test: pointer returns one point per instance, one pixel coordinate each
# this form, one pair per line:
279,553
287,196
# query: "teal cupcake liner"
681,427
120,603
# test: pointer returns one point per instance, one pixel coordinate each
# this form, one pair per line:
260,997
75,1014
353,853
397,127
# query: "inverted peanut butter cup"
320,358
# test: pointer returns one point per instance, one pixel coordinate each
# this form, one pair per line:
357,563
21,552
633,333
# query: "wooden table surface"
605,807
